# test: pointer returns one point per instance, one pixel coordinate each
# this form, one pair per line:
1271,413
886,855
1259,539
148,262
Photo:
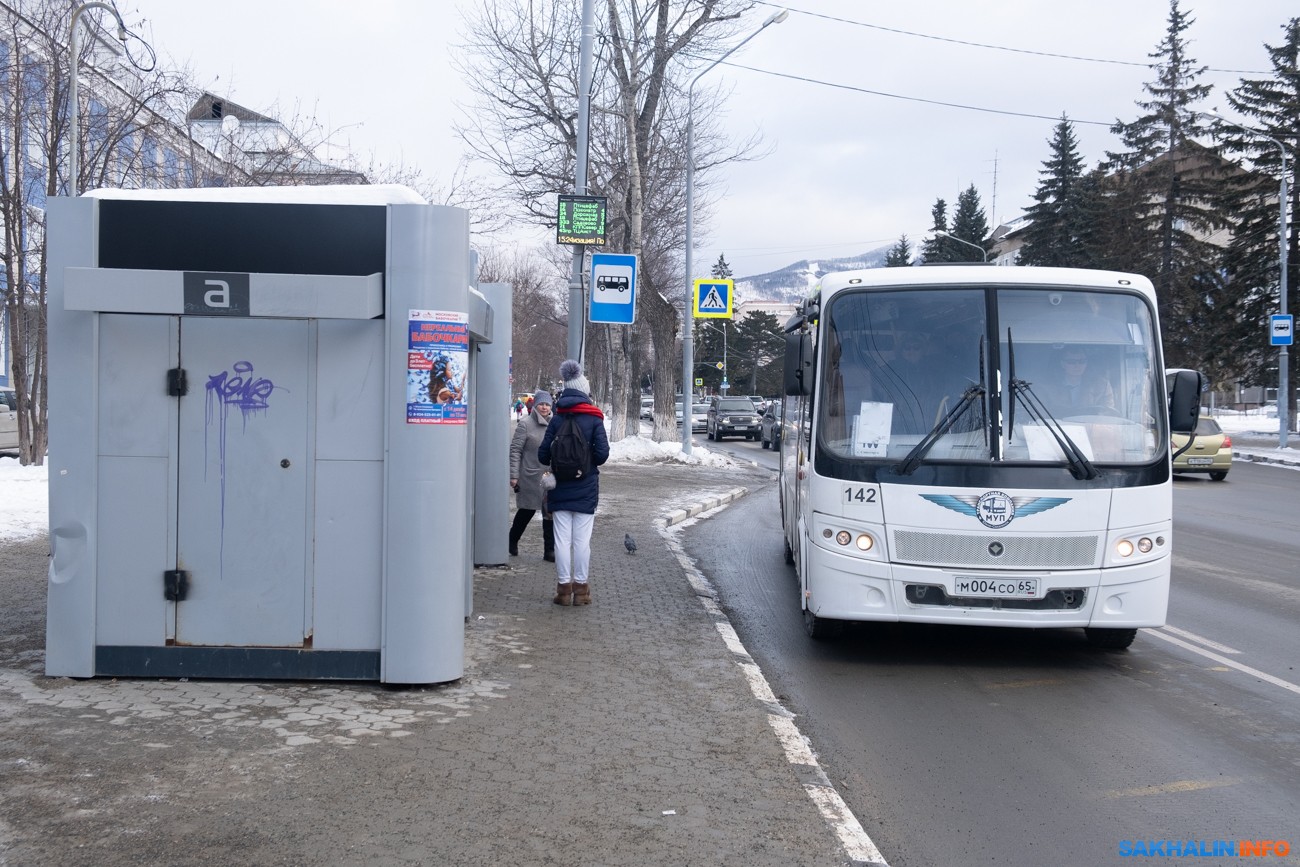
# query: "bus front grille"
1020,552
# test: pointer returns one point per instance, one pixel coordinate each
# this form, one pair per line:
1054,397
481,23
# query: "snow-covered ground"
24,491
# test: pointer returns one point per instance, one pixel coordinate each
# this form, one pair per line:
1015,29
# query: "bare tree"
125,142
537,316
523,60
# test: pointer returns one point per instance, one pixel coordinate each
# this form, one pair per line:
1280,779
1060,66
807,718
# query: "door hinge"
177,383
176,584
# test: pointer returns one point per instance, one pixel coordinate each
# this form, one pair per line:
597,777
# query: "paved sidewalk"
620,733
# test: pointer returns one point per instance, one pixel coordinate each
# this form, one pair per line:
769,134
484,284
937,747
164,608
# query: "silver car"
8,419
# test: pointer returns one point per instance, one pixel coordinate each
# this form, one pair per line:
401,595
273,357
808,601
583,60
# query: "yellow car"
1211,451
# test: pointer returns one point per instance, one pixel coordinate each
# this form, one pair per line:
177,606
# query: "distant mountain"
792,283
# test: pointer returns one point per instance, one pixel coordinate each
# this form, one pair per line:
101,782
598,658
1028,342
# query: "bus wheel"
789,554
819,628
1109,639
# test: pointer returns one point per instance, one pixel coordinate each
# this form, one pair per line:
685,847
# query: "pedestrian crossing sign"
713,298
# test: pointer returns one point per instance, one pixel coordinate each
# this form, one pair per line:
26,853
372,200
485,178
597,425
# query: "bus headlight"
1143,545
865,542
843,537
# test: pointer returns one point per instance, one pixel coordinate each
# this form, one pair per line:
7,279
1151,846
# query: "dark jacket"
576,495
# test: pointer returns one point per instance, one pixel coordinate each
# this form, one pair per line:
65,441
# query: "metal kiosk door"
242,477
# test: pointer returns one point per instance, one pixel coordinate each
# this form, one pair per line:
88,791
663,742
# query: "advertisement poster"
437,367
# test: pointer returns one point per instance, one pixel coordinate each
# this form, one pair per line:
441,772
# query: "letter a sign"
713,298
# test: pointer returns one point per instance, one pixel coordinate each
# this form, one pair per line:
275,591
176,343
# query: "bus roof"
983,275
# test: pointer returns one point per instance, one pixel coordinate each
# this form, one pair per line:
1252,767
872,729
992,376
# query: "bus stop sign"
1281,329
613,289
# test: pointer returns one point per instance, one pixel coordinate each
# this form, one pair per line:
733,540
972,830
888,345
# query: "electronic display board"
581,220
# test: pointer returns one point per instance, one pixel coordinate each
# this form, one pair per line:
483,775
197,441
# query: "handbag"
548,482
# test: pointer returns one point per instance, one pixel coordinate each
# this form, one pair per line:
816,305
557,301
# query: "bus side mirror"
798,363
1184,402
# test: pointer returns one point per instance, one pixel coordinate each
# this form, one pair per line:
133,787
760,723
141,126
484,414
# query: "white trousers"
572,545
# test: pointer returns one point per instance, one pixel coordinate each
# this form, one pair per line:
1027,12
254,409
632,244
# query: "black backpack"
570,451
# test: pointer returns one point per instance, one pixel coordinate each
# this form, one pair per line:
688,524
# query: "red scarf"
584,408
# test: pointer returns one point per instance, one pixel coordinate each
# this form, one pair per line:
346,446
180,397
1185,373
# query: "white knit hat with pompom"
571,375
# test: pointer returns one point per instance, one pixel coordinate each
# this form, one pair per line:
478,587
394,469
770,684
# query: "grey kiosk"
260,434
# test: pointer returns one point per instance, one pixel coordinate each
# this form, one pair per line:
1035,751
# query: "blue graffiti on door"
236,388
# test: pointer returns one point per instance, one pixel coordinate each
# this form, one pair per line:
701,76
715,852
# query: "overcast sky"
848,171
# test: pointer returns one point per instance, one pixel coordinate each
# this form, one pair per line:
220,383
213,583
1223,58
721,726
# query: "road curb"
676,516
1265,459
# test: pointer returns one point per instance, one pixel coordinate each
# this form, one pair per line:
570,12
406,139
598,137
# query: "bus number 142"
855,495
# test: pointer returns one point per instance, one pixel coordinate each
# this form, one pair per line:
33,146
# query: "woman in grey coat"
526,476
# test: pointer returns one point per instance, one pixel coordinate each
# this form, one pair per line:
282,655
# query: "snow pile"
639,450
24,500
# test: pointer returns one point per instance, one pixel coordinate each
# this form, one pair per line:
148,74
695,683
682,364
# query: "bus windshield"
983,375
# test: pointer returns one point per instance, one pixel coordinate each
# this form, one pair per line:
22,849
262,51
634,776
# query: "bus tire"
820,628
1109,639
789,554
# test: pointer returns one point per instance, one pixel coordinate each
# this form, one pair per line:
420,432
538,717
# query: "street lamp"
688,338
952,237
74,108
723,330
1283,357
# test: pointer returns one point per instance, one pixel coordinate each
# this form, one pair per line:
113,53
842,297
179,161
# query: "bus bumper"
843,587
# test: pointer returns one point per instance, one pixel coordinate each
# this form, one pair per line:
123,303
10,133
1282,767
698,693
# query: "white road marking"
798,751
1199,639
1223,660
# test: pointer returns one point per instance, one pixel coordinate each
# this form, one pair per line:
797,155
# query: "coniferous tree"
1163,186
1058,230
935,249
970,225
721,268
1272,106
755,354
899,255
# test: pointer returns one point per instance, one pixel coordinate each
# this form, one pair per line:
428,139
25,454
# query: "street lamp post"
1283,356
688,338
74,185
950,236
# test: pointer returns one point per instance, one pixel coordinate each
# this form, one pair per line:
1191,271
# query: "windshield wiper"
1080,466
919,451
968,398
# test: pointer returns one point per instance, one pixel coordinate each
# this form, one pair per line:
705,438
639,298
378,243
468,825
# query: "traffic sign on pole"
713,298
613,289
1280,329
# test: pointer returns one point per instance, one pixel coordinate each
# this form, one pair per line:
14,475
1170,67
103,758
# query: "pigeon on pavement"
629,543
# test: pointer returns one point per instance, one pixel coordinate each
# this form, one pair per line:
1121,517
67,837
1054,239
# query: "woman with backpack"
526,475
575,444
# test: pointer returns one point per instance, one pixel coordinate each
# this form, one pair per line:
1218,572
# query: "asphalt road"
1009,747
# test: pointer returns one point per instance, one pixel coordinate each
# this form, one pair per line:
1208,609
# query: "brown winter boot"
563,594
581,593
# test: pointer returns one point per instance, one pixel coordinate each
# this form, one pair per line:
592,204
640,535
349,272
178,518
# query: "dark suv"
732,415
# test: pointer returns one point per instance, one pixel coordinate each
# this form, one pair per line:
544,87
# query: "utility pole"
577,307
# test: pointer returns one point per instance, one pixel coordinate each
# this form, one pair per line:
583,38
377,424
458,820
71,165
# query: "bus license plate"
1199,462
996,588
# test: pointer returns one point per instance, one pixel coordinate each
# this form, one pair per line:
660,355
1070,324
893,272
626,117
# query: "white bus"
981,445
